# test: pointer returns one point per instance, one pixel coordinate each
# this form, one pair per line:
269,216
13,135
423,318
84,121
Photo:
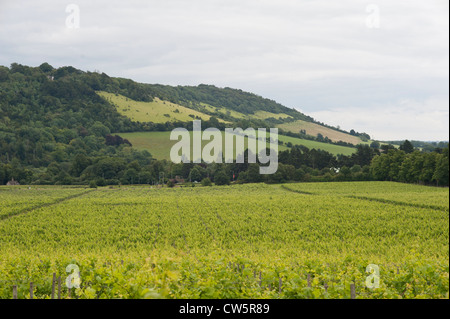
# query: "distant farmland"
159,144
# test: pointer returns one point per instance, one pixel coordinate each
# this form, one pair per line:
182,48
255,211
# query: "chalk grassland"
314,129
159,144
241,241
157,111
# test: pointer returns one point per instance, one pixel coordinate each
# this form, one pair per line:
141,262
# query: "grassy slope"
151,111
314,129
159,144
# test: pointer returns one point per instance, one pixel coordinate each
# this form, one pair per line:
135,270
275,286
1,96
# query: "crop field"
240,241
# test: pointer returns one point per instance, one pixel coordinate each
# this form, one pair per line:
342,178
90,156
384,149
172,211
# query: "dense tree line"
121,165
413,167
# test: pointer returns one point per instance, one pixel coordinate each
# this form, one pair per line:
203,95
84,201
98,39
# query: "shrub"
206,182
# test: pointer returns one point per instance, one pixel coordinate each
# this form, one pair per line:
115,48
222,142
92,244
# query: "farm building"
13,183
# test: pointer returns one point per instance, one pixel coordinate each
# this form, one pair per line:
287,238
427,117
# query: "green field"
239,241
159,144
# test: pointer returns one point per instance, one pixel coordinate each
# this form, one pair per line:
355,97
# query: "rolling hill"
54,107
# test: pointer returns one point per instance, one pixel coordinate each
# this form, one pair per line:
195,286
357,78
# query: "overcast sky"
378,66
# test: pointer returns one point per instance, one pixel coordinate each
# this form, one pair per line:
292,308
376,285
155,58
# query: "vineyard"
241,241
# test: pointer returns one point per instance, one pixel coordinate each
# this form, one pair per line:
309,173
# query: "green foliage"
196,174
415,167
221,178
407,147
375,145
206,182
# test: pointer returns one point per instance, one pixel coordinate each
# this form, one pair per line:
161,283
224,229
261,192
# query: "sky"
377,66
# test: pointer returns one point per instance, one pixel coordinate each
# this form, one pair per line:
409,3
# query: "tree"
320,137
99,129
376,145
379,168
441,173
3,74
130,176
206,182
429,167
221,178
46,68
170,184
79,164
253,174
407,147
386,147
396,160
346,172
356,169
363,155
195,175
109,168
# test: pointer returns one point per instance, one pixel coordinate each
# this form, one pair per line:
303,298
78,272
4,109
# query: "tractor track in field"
29,210
393,202
295,191
373,199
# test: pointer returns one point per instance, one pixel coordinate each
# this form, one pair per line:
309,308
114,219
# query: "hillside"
64,126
